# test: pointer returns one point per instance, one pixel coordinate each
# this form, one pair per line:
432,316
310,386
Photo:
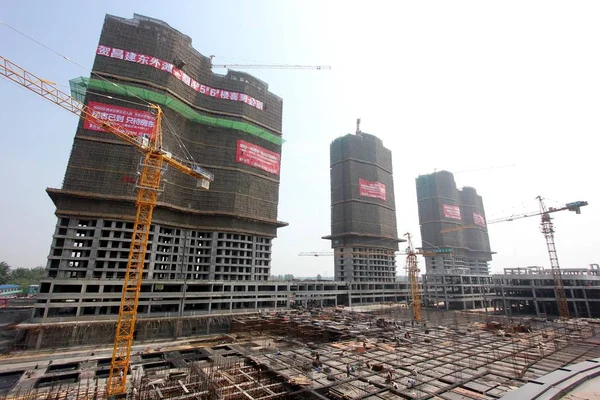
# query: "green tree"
4,272
26,276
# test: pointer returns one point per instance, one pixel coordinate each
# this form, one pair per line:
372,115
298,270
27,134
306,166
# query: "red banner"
137,122
157,63
478,219
375,190
258,157
451,211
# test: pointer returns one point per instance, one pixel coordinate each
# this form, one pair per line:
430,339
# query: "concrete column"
587,304
535,302
462,293
507,310
574,303
94,249
38,343
213,255
181,255
253,261
177,329
446,305
350,295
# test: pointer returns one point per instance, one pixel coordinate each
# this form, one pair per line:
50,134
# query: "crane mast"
148,186
413,271
547,228
267,66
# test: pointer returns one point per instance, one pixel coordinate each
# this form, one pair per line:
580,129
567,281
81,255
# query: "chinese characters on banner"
451,211
371,189
137,122
157,63
478,219
258,157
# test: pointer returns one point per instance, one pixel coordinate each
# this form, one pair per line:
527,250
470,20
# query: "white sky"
461,85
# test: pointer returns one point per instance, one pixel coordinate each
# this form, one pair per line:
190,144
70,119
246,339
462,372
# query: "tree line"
20,276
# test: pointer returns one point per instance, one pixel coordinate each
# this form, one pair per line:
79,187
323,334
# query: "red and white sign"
451,211
137,122
375,190
478,219
157,63
256,156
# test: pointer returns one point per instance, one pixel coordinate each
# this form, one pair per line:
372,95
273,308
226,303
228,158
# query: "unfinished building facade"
531,291
452,223
363,212
229,124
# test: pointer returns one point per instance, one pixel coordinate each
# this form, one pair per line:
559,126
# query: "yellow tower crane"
413,274
148,187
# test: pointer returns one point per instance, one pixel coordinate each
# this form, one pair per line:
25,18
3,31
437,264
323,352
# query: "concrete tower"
230,124
452,218
363,214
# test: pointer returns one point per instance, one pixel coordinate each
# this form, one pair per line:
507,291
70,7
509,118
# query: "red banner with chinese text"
374,190
478,219
258,157
135,121
157,63
451,211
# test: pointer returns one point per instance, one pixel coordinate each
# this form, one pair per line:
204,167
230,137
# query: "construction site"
158,281
334,353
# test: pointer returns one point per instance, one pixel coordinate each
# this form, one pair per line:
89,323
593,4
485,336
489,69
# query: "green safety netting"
80,85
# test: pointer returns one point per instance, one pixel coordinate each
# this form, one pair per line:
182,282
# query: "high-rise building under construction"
230,124
363,214
453,225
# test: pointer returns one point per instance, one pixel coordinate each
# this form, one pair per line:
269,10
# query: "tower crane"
413,272
148,186
268,66
436,252
547,228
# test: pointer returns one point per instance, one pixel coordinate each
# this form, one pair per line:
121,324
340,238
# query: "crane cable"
82,92
70,60
186,153
146,103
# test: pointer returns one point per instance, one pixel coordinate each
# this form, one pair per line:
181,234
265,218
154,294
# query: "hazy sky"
471,86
